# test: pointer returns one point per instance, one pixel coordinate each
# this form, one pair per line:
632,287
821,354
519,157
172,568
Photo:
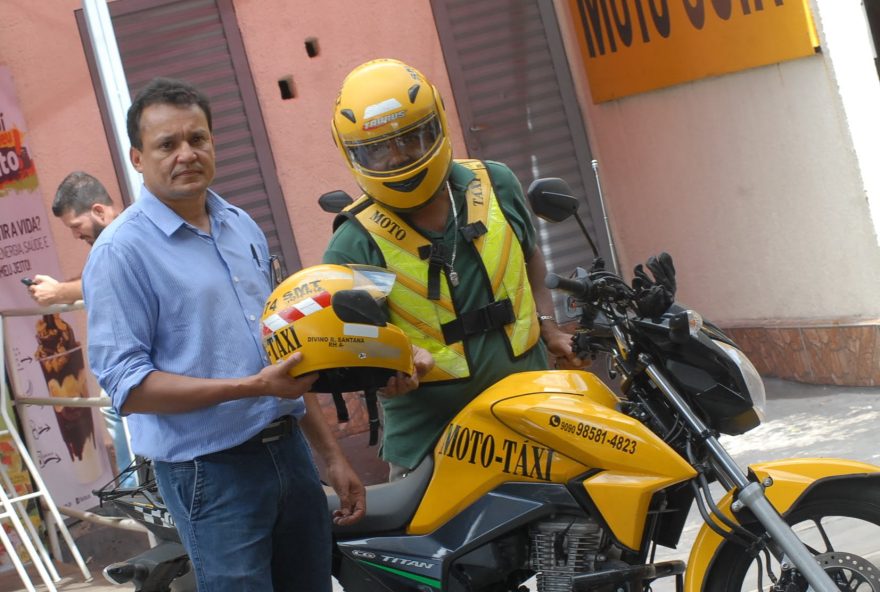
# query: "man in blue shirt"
175,289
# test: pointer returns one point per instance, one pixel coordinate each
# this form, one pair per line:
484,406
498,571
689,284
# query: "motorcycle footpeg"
124,572
151,571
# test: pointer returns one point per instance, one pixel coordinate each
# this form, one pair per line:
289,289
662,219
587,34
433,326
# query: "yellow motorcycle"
551,475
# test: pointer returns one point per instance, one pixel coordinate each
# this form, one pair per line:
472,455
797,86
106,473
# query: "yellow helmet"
333,315
390,125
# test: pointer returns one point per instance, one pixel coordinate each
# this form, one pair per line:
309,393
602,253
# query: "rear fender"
794,481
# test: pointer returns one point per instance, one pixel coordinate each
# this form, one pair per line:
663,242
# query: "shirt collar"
460,177
168,221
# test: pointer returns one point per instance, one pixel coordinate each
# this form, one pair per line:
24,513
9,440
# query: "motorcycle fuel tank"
551,426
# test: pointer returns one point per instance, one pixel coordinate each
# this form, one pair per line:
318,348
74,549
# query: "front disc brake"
850,572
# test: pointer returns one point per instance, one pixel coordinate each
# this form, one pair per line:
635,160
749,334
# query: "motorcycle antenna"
611,247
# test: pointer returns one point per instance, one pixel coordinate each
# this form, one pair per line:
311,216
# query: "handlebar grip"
579,288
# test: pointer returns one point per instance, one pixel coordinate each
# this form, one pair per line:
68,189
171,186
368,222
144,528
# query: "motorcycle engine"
562,548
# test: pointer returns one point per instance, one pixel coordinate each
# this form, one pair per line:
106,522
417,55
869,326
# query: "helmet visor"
398,151
377,281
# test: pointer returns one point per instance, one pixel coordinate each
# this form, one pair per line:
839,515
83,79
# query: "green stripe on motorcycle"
421,579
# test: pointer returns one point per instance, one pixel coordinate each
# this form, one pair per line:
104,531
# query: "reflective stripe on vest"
503,266
502,250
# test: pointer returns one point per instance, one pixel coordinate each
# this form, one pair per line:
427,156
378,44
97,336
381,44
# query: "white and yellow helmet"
305,313
385,105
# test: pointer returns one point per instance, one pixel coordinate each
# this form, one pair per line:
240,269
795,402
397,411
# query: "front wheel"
840,525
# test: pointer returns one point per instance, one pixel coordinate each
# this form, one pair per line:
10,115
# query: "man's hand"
351,492
559,345
276,380
339,474
46,291
402,384
163,392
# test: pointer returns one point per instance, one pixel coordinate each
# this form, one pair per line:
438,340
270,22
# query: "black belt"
278,429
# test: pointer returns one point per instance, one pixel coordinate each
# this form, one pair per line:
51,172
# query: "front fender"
793,479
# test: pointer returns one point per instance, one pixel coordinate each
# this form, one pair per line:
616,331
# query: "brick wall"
839,355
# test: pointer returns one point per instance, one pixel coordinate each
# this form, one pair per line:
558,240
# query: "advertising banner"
633,46
44,357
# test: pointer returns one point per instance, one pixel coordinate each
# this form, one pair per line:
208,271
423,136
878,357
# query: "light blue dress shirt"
163,295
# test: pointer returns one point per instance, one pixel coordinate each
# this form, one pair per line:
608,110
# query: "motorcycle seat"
390,506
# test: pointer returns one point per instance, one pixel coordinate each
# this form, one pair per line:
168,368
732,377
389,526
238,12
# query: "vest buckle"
494,315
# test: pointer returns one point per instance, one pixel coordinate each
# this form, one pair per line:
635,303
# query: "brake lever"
581,345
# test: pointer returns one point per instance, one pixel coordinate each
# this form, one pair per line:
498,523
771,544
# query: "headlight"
753,380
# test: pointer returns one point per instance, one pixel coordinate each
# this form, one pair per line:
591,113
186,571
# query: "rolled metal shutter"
516,100
199,41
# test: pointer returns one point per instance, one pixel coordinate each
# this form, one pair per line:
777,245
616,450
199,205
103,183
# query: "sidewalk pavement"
802,421
99,547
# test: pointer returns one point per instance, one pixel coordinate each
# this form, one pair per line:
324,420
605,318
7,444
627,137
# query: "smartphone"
27,281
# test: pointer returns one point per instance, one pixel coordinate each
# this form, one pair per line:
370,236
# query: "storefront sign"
43,355
632,46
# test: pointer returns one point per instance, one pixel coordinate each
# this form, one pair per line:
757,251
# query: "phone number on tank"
594,434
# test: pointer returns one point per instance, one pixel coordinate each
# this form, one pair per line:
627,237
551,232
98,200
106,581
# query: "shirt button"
235,279
253,318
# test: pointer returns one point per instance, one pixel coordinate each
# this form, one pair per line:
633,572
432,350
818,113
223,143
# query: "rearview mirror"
551,199
358,306
334,202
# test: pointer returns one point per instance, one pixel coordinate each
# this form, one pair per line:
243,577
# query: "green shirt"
414,421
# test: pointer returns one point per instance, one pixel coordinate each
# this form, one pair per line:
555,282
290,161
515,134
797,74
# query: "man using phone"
84,206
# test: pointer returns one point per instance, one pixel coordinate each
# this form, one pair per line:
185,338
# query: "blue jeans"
253,518
120,444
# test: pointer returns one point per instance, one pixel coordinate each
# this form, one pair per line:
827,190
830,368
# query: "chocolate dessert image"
61,358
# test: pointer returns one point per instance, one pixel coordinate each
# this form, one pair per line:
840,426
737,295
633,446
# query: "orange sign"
43,357
16,167
633,46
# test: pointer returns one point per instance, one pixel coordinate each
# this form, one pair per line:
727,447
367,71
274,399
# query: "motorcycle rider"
470,277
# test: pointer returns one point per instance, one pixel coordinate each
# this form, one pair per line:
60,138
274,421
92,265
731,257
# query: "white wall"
847,42
752,182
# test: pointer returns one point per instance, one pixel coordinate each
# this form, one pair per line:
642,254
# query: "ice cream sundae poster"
44,354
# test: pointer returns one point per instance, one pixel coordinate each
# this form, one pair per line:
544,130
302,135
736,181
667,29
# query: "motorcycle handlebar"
579,288
586,289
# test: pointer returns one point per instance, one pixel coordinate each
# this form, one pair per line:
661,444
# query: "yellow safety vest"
422,319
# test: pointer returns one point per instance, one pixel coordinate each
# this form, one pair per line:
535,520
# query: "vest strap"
492,316
473,231
435,253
